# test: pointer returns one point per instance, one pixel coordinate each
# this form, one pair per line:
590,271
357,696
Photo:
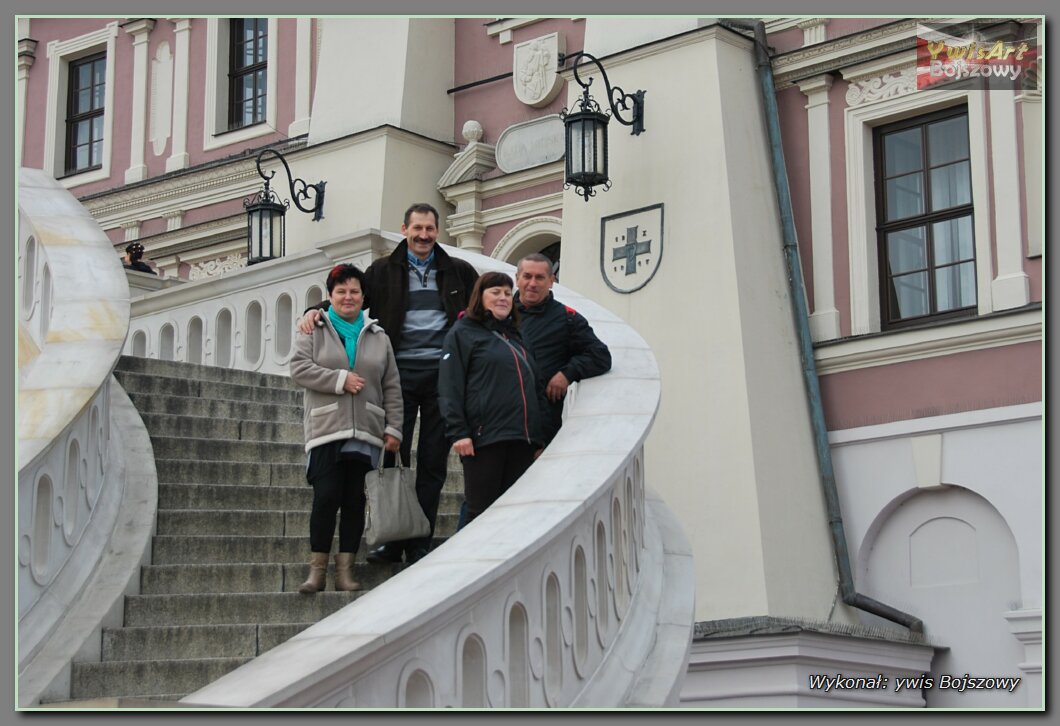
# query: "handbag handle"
397,460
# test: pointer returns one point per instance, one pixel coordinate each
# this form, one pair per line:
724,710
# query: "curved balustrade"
73,314
245,319
574,589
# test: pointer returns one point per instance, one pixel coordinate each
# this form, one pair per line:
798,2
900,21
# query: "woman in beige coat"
353,412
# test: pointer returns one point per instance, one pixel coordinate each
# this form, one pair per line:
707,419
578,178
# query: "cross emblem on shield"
631,247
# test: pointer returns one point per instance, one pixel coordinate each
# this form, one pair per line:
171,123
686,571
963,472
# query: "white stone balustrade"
246,318
73,315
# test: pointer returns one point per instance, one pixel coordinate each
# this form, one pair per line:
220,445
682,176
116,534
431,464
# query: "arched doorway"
537,234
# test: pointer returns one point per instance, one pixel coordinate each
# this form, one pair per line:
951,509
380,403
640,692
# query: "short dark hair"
134,249
342,273
422,208
535,257
475,309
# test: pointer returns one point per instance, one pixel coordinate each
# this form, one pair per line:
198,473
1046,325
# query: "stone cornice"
516,181
221,180
139,27
899,347
195,237
473,162
847,50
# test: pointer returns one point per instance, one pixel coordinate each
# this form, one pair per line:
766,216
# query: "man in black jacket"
416,294
561,339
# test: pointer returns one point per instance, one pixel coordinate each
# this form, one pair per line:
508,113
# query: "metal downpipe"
802,325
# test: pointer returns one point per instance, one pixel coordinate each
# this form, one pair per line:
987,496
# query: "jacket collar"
399,256
536,309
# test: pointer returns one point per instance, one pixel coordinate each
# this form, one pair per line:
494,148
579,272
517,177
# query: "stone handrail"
574,589
73,315
244,319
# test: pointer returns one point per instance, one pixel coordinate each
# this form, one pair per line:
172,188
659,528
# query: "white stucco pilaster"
178,156
26,56
303,76
824,320
140,30
1011,287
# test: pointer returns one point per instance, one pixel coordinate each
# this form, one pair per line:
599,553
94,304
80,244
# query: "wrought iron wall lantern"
266,232
585,130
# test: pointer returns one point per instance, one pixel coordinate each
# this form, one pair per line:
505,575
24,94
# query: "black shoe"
415,555
384,553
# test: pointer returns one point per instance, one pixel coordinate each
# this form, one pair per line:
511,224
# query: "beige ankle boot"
343,575
318,568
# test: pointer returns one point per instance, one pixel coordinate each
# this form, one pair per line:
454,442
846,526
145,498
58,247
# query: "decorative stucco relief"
535,63
161,98
868,90
216,268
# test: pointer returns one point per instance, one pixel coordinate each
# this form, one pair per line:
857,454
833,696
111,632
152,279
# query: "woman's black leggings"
490,472
338,486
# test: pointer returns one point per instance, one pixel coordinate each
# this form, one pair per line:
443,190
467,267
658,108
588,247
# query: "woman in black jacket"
490,394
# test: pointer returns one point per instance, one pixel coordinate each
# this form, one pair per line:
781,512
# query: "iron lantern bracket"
616,97
300,190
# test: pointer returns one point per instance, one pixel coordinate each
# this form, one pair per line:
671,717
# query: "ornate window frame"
60,53
875,103
215,132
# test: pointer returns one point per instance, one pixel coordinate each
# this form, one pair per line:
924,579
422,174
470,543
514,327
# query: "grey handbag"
391,510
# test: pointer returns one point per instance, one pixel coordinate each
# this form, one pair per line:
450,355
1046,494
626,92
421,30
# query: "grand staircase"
232,533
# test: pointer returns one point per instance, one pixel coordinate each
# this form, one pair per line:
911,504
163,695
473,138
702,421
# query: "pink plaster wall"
47,29
479,56
794,134
840,226
522,195
988,378
786,40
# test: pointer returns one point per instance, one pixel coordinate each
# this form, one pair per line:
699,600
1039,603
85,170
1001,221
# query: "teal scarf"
348,332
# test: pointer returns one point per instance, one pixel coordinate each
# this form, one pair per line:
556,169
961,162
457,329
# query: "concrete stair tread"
234,608
144,678
198,388
137,364
191,642
251,578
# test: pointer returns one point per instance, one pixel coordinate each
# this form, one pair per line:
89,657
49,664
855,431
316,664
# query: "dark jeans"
491,471
419,389
338,487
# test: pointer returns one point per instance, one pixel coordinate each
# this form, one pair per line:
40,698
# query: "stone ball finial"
472,131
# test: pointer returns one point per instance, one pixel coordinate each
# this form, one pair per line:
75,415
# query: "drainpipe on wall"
802,325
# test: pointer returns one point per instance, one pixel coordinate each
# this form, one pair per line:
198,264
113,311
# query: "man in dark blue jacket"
565,346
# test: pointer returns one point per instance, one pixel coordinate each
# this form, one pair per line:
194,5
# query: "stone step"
195,471
183,642
265,549
204,449
196,388
134,364
260,577
234,496
181,471
234,608
145,678
221,521
298,497
209,408
162,424
254,522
